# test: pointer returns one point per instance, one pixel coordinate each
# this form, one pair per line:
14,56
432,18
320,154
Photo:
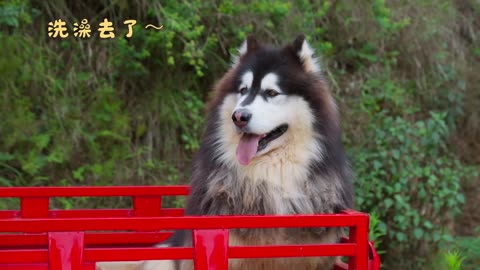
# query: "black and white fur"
302,171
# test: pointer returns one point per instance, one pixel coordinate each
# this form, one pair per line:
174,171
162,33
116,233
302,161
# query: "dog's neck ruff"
279,178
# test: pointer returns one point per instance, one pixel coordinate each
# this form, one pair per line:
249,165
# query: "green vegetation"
453,260
130,111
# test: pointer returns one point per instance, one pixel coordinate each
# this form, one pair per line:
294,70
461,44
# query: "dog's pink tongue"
247,148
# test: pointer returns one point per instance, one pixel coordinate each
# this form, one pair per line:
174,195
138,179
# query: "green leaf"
388,203
418,233
461,198
396,154
5,182
401,236
171,61
6,156
78,173
41,140
428,224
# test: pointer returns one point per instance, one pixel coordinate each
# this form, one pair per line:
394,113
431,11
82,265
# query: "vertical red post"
65,250
34,207
352,235
359,236
210,249
147,206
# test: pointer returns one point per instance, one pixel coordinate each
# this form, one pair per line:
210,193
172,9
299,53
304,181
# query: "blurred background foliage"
131,111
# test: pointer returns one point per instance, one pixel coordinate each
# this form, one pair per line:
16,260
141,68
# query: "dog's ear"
305,54
249,45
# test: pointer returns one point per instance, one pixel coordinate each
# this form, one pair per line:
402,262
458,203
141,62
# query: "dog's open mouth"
250,144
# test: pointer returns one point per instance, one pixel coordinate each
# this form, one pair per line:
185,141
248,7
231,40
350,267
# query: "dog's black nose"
241,117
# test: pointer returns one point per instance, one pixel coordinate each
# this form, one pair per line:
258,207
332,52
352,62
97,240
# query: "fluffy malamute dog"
272,146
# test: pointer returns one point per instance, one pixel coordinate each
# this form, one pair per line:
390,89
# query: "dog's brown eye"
243,90
271,93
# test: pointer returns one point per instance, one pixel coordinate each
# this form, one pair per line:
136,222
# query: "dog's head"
272,100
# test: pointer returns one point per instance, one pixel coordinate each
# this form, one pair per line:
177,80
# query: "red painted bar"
147,206
103,191
283,251
178,253
126,238
9,214
89,266
134,254
172,212
187,222
111,238
43,266
34,207
23,256
91,213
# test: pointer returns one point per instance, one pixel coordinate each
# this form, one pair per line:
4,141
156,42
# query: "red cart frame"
39,238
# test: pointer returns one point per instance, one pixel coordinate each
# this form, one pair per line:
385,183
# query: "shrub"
408,177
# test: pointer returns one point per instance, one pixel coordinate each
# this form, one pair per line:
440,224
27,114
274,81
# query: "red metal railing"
36,237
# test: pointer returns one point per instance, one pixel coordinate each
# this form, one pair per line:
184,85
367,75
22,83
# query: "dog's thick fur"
303,171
